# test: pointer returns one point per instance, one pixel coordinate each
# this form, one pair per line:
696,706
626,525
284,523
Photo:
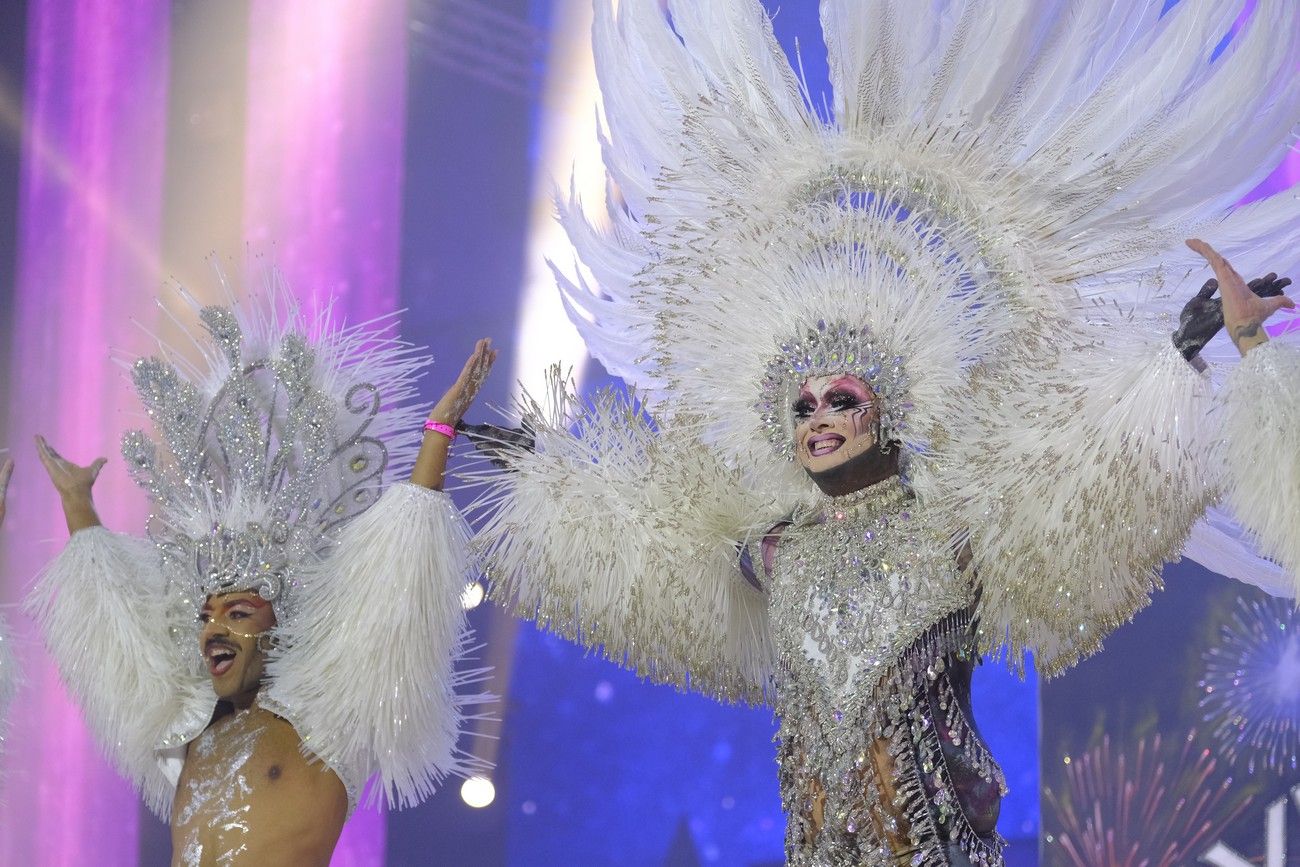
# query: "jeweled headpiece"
263,451
739,312
829,350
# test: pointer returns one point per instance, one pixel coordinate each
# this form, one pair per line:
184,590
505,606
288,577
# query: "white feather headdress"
989,221
991,166
267,449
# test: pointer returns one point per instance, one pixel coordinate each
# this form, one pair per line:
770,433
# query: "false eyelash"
848,401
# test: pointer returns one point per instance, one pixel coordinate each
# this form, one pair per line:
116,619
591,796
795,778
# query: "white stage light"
472,597
478,792
568,145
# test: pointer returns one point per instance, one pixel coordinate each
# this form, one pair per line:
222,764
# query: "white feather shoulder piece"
623,534
369,668
1082,474
1257,416
101,607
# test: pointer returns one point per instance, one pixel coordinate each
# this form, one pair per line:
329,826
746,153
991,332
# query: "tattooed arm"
1258,409
1244,313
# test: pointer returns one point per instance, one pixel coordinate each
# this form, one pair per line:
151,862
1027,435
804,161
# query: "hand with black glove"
1202,317
495,443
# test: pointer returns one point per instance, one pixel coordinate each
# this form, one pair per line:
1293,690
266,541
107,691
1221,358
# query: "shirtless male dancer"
327,662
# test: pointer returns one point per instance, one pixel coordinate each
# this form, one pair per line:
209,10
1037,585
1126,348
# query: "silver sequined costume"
872,624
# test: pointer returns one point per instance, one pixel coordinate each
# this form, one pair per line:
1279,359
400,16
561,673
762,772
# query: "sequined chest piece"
857,583
868,610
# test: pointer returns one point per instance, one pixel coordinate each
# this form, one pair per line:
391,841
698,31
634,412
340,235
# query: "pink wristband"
438,427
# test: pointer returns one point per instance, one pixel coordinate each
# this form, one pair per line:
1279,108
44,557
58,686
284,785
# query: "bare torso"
247,796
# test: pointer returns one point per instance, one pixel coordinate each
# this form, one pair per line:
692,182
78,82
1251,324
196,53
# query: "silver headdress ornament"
261,457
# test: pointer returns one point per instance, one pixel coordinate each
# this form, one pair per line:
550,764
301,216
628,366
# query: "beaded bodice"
871,619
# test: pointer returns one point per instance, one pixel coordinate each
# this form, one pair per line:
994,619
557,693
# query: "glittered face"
836,419
232,623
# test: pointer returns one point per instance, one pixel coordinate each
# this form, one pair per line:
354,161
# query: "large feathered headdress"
990,175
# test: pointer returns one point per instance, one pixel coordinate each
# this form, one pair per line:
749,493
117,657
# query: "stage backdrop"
402,154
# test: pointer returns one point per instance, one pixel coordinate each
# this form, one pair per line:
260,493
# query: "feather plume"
1079,480
101,607
1222,545
1257,415
10,679
624,536
371,667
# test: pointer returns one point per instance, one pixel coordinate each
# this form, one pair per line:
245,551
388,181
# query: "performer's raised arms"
292,627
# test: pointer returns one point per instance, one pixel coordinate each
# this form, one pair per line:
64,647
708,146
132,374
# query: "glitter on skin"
216,805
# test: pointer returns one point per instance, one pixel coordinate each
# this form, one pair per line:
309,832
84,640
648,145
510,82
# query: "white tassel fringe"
101,607
1258,417
624,538
368,669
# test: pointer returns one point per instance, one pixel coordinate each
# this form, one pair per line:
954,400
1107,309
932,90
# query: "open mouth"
220,658
824,444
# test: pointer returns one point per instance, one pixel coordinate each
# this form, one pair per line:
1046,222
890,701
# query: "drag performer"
287,631
905,390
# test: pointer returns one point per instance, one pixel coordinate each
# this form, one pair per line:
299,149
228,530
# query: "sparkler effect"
1157,807
1252,686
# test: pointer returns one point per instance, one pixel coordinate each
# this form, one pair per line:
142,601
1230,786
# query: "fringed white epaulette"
623,536
1083,471
369,669
101,607
1257,416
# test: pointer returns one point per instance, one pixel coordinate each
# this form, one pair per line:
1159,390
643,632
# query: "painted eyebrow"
846,381
231,603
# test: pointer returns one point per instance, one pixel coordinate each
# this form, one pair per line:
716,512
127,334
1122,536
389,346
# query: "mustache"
217,641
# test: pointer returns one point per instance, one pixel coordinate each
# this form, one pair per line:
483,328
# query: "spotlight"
478,792
472,597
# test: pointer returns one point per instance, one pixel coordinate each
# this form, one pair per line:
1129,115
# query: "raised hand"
1246,307
451,408
6,473
74,484
1202,317
431,463
70,480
